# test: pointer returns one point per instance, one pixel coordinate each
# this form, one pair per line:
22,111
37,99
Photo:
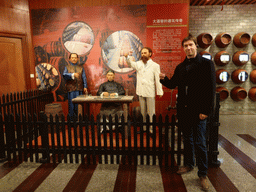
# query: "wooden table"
83,99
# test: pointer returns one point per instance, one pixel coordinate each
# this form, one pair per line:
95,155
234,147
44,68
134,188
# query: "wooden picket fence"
83,141
37,138
26,102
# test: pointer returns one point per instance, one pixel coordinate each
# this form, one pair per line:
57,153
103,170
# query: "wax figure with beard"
148,84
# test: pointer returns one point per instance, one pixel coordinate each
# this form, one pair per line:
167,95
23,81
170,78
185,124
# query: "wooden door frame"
24,44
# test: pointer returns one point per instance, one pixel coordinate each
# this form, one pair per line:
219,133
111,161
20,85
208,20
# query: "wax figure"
76,82
195,78
111,89
148,84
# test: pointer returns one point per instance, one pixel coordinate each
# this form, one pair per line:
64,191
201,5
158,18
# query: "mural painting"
101,36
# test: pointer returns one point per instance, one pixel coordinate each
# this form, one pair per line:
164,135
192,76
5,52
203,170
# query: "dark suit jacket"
196,82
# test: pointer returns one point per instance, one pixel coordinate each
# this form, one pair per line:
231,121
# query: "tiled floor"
237,147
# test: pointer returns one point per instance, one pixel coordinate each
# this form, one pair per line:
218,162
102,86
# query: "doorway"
12,76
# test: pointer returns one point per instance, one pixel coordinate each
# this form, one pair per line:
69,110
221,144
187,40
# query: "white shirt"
148,83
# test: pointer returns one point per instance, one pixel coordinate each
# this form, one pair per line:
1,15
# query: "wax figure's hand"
202,116
162,75
130,53
76,75
85,90
105,94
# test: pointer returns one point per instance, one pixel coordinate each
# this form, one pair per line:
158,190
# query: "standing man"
148,84
195,78
75,82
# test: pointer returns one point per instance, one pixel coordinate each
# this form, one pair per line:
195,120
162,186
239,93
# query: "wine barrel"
54,48
224,93
38,82
206,55
222,76
204,40
239,76
240,58
252,94
254,40
222,40
53,109
241,39
253,58
253,76
40,55
222,58
238,93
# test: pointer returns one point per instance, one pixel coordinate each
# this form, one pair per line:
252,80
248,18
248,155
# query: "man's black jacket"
196,82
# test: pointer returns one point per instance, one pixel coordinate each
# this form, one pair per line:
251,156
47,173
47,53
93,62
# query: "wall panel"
106,17
232,19
36,4
15,19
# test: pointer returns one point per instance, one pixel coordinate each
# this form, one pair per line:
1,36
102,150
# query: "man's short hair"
72,54
149,50
189,38
110,71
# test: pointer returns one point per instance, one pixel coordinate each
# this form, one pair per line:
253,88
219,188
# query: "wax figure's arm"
159,89
66,75
170,83
130,63
101,90
84,81
120,88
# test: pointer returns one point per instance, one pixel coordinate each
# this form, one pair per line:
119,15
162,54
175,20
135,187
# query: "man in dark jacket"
111,89
76,82
195,79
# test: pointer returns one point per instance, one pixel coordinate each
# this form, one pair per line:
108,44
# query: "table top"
99,99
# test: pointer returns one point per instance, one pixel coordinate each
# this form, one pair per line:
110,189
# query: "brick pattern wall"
232,19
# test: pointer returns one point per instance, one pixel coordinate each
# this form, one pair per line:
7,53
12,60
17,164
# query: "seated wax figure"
111,89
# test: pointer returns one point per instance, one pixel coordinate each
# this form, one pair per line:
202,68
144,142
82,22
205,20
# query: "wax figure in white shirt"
148,84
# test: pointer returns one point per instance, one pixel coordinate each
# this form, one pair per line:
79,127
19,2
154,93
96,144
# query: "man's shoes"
184,169
204,183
